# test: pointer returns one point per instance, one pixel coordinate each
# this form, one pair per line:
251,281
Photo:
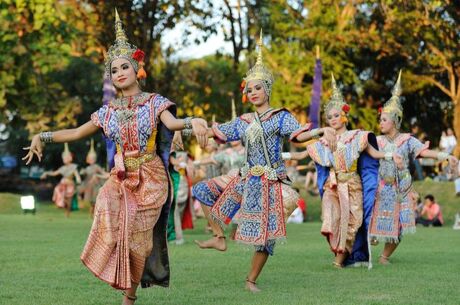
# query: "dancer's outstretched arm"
441,156
199,126
327,133
397,158
50,173
60,136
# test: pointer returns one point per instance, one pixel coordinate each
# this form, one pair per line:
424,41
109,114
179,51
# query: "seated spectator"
419,207
311,179
448,141
431,214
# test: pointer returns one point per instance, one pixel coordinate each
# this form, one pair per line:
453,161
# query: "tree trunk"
457,127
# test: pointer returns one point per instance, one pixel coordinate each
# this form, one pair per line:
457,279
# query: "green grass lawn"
39,264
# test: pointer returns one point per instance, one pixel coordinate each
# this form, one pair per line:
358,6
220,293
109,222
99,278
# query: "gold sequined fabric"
342,213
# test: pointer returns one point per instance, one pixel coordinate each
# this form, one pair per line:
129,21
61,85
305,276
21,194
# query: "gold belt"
259,170
133,163
344,177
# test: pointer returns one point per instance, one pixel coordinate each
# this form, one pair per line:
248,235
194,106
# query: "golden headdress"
233,109
336,101
121,48
258,72
66,153
92,152
393,106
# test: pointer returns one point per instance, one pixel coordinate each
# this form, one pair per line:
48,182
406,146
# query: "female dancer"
64,192
94,176
133,204
255,192
393,214
342,182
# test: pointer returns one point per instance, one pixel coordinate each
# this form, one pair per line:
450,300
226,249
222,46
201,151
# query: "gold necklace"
391,139
125,107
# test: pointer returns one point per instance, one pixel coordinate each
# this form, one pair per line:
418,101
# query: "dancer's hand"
44,175
177,142
329,136
398,159
200,129
35,148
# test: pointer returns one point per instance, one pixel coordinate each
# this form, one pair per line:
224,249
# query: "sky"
215,43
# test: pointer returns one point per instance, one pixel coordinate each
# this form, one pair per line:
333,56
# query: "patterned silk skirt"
127,208
342,214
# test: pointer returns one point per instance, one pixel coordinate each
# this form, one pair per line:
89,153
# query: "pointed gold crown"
259,71
66,152
336,101
233,109
121,48
92,151
393,105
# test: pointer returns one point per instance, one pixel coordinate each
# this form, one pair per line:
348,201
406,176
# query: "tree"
426,34
296,27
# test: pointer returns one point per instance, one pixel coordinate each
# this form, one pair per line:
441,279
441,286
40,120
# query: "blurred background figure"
448,141
300,213
94,179
311,179
182,172
431,214
64,195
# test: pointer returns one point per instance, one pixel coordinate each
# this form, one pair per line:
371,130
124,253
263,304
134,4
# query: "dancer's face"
256,93
123,74
90,160
334,119
67,159
386,123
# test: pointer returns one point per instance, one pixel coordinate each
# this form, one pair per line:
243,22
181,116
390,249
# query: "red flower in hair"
243,84
346,108
138,55
380,110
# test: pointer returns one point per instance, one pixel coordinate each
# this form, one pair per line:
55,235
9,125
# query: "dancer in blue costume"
395,202
257,192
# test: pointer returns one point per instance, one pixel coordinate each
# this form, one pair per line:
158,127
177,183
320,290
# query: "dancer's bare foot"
217,242
384,260
251,286
337,265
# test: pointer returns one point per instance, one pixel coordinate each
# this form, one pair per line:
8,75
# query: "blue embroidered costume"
256,193
393,213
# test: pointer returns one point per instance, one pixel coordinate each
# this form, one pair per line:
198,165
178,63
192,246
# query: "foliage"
51,56
40,39
204,87
422,38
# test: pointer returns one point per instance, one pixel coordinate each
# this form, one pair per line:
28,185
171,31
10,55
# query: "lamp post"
28,204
